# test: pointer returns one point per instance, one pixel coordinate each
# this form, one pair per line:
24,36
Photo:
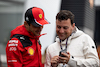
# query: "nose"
61,30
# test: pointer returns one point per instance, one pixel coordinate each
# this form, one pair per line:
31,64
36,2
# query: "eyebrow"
61,26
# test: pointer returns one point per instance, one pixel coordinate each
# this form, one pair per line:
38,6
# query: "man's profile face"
64,28
35,30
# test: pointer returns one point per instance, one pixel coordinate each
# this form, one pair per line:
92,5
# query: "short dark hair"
64,15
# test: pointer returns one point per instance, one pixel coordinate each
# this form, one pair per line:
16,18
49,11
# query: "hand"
54,61
65,59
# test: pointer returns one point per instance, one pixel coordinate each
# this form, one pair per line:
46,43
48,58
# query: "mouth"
61,34
38,32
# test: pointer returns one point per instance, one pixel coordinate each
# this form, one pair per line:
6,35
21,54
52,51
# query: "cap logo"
40,15
27,19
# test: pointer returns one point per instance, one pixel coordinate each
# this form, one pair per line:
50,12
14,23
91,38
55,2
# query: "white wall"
97,2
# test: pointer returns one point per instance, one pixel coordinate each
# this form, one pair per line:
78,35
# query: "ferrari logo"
40,15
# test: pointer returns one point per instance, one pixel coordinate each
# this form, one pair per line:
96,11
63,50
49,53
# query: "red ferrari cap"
35,16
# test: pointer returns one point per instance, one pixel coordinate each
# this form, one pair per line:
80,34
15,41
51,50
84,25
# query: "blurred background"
87,18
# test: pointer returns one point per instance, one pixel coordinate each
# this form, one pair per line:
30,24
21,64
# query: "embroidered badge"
31,51
40,15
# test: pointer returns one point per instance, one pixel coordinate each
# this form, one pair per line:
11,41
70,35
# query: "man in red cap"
23,49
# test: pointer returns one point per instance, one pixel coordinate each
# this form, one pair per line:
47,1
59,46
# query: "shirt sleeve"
13,53
90,54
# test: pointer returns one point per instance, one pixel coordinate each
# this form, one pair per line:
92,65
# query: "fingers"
67,54
55,59
64,59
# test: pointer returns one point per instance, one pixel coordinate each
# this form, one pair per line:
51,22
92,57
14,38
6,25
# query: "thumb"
68,53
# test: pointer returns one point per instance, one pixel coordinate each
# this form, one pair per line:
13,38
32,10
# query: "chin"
38,35
62,38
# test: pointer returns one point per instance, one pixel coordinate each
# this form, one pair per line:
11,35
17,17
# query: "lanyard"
66,44
64,49
66,41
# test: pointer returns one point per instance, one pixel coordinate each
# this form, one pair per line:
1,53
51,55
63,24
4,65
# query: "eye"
59,27
65,27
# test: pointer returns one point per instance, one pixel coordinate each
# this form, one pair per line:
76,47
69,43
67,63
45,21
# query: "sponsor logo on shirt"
31,51
12,49
12,60
13,41
22,38
12,44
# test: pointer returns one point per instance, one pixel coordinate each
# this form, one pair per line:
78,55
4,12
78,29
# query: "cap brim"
40,23
35,24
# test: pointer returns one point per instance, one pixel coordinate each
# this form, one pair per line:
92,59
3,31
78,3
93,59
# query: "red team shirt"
23,49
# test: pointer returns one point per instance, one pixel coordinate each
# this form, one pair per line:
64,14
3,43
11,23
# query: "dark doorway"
97,26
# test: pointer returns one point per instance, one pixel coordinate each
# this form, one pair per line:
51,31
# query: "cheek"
57,31
32,29
68,31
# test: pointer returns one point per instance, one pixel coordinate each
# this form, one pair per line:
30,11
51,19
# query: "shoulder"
53,47
86,36
24,40
82,34
13,42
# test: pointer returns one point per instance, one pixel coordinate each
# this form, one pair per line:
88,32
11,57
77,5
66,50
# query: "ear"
26,25
73,25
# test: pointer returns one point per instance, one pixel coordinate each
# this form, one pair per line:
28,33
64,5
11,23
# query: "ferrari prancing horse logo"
40,15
